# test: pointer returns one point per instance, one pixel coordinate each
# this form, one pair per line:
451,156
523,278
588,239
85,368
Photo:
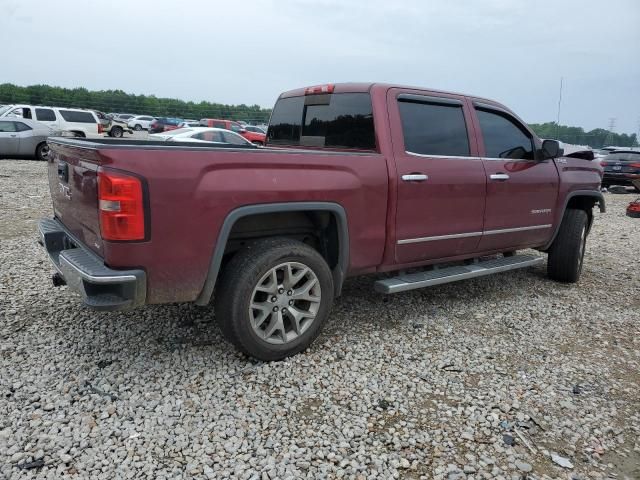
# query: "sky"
513,51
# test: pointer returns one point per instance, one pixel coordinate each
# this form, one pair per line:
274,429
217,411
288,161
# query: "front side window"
45,115
337,120
431,128
7,127
503,137
75,116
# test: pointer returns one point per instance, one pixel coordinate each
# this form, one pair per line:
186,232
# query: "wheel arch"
336,211
579,199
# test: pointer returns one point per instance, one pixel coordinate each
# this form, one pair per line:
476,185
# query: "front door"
521,190
9,139
440,179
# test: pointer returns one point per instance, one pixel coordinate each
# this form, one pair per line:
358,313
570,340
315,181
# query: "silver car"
21,137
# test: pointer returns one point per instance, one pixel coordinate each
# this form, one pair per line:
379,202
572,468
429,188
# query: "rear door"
521,191
441,181
9,139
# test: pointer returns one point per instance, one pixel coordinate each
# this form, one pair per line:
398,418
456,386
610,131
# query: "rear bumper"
610,178
100,287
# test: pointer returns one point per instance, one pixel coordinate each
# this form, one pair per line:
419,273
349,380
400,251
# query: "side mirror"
551,149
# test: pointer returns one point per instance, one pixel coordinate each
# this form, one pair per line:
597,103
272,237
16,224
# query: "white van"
83,123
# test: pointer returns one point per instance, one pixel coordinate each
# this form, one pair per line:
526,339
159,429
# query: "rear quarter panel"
191,193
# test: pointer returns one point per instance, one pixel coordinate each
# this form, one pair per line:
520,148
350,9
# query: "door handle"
499,176
13,136
415,177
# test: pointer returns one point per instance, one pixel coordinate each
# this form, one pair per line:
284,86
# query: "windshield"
5,109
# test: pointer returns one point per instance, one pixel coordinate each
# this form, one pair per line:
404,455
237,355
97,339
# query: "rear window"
623,157
77,117
339,120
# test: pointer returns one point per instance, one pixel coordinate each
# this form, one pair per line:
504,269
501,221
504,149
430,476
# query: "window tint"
503,138
209,136
434,129
341,120
45,114
234,139
77,117
22,127
8,126
623,157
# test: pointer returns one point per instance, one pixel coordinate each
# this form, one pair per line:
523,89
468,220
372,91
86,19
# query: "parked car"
163,124
81,123
254,129
202,134
141,122
21,137
253,137
123,117
355,179
621,167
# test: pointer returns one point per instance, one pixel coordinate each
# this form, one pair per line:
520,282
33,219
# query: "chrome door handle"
499,176
415,177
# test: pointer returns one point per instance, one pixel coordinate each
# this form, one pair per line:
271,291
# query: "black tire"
236,290
116,132
79,134
42,151
137,128
566,254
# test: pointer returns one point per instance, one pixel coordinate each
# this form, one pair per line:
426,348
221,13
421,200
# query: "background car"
163,124
24,138
203,134
621,167
124,117
140,122
255,129
82,123
189,123
254,137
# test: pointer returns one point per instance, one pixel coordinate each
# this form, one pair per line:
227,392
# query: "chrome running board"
437,276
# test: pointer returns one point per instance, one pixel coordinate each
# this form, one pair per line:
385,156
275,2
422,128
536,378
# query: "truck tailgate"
73,181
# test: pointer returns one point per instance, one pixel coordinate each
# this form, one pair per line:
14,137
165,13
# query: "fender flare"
577,193
339,272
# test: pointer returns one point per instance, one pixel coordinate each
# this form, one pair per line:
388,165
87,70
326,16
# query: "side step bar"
437,276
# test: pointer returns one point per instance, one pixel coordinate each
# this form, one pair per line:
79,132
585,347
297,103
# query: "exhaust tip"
58,280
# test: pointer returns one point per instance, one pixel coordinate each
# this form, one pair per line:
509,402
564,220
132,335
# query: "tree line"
596,138
119,101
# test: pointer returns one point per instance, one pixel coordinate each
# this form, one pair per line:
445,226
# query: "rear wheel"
566,254
42,151
116,132
273,298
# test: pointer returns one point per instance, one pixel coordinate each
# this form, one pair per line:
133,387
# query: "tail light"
635,165
100,129
604,164
319,89
121,205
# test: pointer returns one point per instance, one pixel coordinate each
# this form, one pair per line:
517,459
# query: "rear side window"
45,114
339,120
77,117
503,137
431,128
22,127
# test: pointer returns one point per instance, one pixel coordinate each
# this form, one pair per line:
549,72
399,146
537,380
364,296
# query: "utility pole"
610,129
559,105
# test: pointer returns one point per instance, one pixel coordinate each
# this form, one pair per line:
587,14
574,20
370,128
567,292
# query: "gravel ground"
511,376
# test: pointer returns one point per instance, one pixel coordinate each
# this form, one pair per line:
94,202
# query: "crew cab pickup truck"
421,187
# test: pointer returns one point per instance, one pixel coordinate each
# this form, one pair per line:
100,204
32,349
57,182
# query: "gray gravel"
511,376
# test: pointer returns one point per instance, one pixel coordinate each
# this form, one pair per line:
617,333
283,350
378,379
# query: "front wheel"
566,254
137,128
273,298
42,151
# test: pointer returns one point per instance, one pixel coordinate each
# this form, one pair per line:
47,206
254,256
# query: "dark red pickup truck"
422,187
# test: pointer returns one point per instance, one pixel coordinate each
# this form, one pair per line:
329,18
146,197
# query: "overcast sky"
248,52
